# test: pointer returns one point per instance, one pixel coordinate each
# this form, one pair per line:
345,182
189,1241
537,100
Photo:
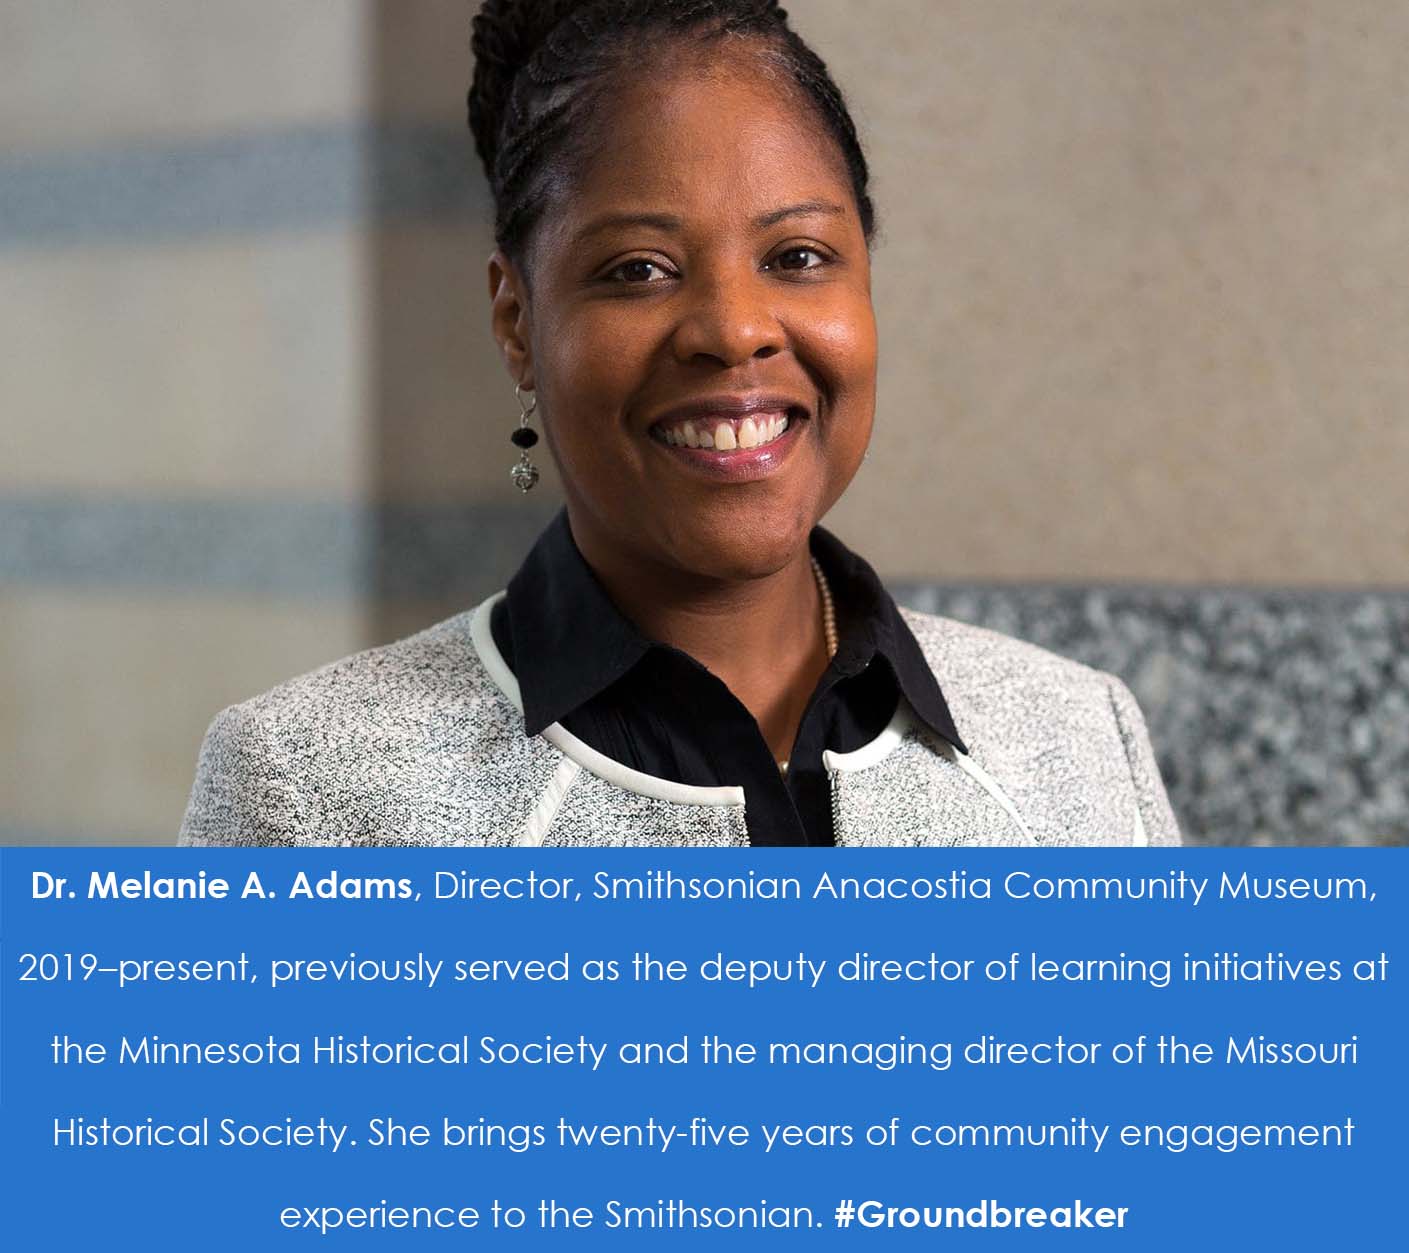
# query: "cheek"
844,346
582,355
587,370
842,349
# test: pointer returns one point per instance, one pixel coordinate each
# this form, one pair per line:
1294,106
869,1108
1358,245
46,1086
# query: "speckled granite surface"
1278,717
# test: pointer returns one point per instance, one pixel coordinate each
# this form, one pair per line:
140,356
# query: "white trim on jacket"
605,768
586,757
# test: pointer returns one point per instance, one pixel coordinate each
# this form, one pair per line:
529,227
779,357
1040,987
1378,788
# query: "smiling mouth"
720,434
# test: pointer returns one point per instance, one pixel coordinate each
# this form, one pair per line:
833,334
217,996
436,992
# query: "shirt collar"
570,642
870,625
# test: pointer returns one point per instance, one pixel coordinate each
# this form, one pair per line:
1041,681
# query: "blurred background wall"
1143,282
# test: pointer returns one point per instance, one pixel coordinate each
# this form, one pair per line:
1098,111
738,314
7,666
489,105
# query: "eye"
639,272
798,258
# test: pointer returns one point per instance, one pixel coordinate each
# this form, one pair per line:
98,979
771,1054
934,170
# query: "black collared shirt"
581,663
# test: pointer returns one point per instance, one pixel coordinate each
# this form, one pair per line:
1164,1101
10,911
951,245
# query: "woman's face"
706,282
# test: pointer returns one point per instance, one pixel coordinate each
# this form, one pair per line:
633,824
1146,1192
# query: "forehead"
710,135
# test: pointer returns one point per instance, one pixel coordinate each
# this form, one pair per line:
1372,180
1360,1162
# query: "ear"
509,318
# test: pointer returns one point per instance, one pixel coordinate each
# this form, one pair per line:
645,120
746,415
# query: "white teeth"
750,433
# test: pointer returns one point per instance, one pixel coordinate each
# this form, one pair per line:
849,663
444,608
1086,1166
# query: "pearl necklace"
829,610
829,624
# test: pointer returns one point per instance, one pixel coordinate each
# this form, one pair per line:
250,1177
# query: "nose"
728,320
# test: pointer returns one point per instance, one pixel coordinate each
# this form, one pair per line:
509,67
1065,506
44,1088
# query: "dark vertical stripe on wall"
428,333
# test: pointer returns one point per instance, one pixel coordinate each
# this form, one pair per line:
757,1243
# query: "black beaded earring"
524,473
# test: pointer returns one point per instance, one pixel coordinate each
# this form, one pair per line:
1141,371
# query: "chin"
749,544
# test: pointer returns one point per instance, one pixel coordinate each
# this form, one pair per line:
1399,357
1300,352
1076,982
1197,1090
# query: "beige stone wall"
1143,287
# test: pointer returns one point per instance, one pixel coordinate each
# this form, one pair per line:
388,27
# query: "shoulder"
436,671
1069,740
315,752
1005,689
975,658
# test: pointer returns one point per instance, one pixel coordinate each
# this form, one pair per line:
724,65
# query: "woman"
681,295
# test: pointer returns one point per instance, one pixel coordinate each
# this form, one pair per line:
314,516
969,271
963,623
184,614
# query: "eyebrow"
669,222
808,208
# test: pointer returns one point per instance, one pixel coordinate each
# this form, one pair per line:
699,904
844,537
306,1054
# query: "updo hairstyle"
543,67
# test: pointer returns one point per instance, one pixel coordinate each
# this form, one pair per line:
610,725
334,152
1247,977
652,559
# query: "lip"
740,465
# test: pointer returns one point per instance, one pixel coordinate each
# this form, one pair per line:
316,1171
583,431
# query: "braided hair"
542,65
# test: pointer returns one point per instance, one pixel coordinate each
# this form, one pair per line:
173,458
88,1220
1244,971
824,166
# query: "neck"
761,636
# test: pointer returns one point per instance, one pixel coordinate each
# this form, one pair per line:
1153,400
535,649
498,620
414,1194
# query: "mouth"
737,438
720,434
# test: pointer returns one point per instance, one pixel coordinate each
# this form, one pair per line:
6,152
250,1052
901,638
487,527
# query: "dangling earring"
524,472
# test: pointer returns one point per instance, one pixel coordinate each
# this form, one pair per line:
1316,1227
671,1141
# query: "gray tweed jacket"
422,743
